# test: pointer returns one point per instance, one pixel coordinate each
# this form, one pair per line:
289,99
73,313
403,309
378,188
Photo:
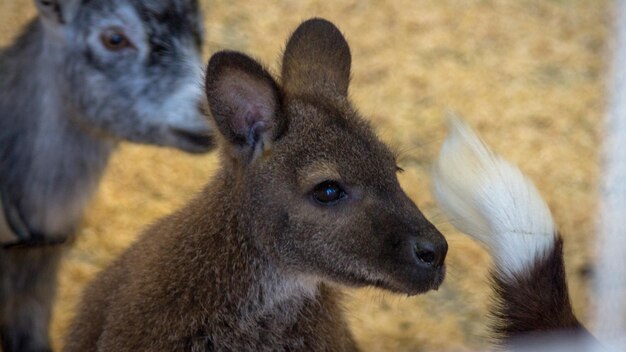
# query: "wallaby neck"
227,259
49,165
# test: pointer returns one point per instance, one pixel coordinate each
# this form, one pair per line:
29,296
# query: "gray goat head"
132,69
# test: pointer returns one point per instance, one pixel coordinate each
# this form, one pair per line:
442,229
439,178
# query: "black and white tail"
492,201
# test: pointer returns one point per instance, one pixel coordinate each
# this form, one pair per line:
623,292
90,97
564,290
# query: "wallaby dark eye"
114,40
328,193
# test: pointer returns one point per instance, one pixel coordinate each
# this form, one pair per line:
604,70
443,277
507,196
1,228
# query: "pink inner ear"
252,103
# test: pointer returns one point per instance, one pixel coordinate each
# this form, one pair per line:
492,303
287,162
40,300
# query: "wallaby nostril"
427,253
426,256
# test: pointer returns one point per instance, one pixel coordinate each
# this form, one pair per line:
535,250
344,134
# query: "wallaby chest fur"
204,291
306,199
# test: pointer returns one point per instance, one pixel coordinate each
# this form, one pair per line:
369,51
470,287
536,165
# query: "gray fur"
65,103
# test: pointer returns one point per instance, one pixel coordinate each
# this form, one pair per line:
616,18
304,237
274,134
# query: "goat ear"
317,60
57,12
245,102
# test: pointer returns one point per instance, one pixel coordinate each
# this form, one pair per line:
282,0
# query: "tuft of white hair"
490,199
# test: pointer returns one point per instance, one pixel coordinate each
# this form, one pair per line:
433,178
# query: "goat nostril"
203,108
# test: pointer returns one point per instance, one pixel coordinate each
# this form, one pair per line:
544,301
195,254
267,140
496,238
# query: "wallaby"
306,198
81,77
492,201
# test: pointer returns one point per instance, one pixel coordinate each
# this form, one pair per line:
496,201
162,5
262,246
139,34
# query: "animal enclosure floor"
529,75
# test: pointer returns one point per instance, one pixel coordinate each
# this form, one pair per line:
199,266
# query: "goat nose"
429,253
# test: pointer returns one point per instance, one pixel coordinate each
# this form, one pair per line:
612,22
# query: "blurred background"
529,75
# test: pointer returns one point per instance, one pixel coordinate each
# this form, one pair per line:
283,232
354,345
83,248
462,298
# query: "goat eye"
328,193
114,40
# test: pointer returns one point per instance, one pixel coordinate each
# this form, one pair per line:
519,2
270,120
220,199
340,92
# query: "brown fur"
252,262
535,302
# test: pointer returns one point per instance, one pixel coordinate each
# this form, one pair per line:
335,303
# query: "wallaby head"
132,68
318,190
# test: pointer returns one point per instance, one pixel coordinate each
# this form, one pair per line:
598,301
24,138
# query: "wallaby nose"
430,253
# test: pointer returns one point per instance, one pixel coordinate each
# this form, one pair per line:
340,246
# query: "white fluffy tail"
491,200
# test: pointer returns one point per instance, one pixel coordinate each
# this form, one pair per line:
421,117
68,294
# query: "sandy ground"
528,74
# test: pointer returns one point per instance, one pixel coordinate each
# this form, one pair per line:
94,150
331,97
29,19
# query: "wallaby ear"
57,12
245,102
317,60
